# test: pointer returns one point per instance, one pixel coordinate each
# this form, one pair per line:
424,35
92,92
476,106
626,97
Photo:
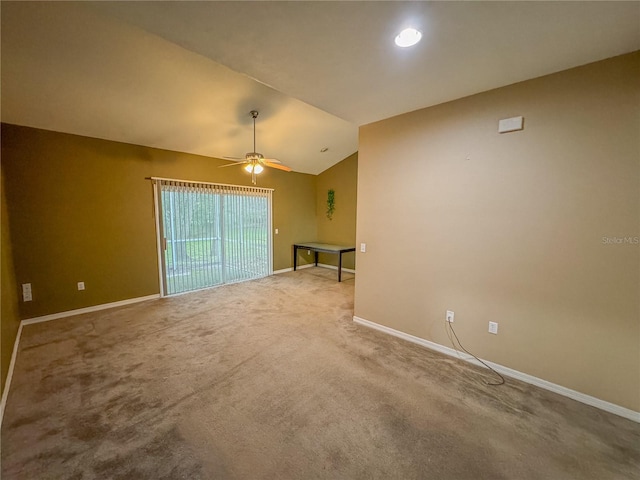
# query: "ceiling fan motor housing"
254,156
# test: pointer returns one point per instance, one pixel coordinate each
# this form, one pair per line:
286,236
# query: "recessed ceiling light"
408,37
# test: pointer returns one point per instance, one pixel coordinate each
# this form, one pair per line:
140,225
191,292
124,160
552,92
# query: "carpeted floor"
271,379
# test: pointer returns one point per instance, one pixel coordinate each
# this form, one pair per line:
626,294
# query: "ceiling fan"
254,161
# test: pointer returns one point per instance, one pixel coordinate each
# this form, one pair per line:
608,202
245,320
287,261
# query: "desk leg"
295,258
316,258
340,267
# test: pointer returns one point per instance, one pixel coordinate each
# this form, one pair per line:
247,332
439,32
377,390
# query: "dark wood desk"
324,248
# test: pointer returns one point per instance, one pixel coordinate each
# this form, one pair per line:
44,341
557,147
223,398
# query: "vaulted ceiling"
184,75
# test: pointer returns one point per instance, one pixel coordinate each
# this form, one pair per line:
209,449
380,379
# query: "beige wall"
80,209
509,227
341,229
9,319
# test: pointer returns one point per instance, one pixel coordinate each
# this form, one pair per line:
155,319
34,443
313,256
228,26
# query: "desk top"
325,247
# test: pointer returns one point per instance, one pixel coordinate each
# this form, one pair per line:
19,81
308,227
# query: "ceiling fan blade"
272,160
231,164
233,158
279,167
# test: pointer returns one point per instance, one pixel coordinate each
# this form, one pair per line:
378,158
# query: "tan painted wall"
81,210
9,319
341,229
510,227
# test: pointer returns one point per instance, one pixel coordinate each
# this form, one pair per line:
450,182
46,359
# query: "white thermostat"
510,124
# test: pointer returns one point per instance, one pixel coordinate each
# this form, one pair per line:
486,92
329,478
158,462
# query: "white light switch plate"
26,292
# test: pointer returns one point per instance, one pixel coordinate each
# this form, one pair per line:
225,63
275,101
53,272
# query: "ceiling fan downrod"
254,115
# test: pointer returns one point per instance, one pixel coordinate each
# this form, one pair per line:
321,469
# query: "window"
211,234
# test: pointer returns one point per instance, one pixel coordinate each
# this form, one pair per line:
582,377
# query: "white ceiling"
184,75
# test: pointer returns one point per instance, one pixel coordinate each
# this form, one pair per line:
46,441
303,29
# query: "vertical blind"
211,234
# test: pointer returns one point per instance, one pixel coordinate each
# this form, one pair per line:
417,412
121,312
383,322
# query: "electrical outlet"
80,285
450,316
26,292
277,231
493,328
308,252
363,247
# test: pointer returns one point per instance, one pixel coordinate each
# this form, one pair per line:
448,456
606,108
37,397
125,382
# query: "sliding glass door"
211,234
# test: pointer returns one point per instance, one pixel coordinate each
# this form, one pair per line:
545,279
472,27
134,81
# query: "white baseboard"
55,316
333,267
7,382
95,308
567,392
309,265
290,269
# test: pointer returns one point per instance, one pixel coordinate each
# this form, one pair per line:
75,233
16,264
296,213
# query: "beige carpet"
271,379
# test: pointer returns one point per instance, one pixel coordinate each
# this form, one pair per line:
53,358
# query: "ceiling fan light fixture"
408,37
254,168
